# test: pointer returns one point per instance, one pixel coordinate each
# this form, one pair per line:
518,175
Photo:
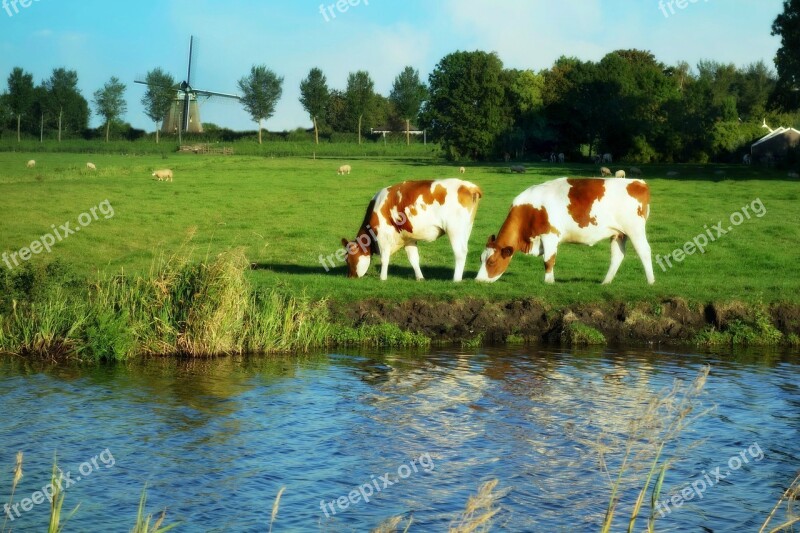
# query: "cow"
583,211
401,215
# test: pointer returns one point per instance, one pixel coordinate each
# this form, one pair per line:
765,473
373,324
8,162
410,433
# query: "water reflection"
216,439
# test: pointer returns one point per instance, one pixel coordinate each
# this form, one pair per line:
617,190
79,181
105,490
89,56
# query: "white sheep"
91,166
519,169
607,158
605,171
31,163
635,171
163,174
619,174
344,169
461,170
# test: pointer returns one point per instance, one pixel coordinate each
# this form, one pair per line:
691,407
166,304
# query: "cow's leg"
385,254
459,241
549,249
413,258
640,244
617,254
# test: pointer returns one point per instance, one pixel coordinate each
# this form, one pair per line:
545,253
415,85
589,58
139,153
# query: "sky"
126,39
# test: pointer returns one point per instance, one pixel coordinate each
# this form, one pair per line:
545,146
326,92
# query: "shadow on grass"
399,271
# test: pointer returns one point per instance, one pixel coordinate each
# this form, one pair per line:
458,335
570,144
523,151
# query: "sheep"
163,174
607,158
344,169
746,159
619,174
91,166
793,175
635,171
561,157
605,171
672,174
519,169
461,170
31,163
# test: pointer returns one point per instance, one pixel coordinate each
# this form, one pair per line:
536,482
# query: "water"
214,441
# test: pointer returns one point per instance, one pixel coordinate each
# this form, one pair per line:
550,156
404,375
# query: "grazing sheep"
91,166
607,158
635,171
31,163
461,170
672,174
793,175
163,174
344,169
619,174
605,171
518,169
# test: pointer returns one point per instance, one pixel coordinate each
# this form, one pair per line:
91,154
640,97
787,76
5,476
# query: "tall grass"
197,309
659,425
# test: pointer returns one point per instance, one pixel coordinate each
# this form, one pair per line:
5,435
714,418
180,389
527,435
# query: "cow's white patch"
362,266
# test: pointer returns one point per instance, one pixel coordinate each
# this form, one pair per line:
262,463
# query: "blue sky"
104,38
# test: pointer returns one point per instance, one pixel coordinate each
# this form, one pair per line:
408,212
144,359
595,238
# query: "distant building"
775,144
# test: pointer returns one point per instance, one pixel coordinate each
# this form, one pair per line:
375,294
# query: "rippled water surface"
214,441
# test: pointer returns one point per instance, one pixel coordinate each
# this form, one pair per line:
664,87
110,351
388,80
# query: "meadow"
288,213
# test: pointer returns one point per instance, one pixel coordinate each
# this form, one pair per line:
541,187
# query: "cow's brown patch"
469,196
549,264
641,192
582,195
403,198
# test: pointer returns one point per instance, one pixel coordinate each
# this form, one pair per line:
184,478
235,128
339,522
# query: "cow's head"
494,260
357,258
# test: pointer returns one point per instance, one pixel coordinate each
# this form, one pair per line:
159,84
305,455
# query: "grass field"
287,212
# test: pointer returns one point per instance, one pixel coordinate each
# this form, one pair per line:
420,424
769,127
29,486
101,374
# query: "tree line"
628,103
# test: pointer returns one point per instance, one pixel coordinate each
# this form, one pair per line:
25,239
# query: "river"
413,433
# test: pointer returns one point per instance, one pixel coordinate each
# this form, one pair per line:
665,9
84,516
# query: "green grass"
287,212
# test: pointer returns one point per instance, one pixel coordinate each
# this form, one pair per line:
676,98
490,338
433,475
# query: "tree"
787,59
159,96
19,98
465,106
110,101
360,96
261,90
314,96
65,101
407,95
336,111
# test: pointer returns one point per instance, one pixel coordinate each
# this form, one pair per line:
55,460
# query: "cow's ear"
344,242
506,252
491,240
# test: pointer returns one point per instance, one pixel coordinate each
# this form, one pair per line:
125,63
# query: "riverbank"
211,308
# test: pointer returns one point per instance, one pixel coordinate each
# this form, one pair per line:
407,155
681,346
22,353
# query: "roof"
775,133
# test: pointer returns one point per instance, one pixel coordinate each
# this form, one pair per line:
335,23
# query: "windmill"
184,115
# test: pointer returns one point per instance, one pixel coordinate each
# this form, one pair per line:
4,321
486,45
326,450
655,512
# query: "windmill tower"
184,114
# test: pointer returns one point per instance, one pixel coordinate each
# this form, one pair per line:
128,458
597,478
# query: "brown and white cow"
401,215
583,211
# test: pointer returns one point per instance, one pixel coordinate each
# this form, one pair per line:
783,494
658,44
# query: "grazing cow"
582,211
401,215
